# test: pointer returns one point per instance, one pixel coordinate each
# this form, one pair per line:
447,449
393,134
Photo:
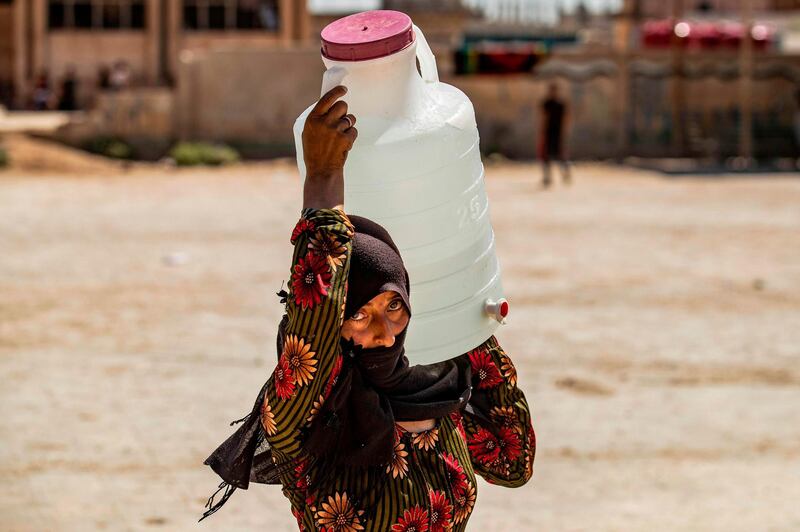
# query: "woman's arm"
497,423
328,135
314,311
308,364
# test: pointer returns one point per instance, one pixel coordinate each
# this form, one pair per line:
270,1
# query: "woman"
359,439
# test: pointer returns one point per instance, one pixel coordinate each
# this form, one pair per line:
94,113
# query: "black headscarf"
378,386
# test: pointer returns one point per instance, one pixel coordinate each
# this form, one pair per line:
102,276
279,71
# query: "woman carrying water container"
358,437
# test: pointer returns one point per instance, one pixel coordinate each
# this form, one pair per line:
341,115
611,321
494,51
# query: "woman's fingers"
328,99
351,134
347,121
336,112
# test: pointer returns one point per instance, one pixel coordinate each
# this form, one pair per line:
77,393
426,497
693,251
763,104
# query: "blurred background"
148,189
707,79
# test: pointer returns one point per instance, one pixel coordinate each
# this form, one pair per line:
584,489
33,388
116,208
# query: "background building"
51,36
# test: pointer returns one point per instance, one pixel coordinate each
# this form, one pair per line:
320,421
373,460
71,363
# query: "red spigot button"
497,309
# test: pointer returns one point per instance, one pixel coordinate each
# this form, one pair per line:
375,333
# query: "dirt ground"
655,323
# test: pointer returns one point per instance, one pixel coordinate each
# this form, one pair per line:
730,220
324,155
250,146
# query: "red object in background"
704,34
657,33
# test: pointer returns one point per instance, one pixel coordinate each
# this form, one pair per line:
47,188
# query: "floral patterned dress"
429,485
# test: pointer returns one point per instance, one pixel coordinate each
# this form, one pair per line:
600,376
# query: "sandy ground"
655,324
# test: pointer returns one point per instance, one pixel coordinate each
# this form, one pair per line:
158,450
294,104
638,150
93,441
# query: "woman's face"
378,322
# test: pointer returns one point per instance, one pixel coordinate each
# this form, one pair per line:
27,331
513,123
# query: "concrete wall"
143,116
248,96
251,97
254,97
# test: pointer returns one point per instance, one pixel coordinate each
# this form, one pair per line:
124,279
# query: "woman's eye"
397,304
358,316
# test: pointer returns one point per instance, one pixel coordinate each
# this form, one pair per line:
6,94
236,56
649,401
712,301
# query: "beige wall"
253,96
247,95
256,95
88,50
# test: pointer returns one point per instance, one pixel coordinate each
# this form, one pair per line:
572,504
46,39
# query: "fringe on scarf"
213,507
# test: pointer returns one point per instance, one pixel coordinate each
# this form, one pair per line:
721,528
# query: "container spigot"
497,309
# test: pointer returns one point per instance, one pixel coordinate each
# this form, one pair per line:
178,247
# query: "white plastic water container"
416,169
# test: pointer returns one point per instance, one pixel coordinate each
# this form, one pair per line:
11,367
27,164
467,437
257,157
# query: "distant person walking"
67,100
551,138
797,124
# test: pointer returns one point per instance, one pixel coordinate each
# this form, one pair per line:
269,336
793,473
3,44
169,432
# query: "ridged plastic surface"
416,169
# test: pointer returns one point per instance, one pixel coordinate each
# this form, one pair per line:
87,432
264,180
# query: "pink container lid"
367,35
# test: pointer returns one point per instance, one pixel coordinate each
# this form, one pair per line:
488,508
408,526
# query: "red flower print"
334,375
303,226
284,379
457,421
299,516
310,280
484,447
302,476
510,444
484,369
455,473
415,519
441,512
464,501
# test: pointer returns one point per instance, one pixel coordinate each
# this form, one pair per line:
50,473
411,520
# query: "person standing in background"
551,136
797,126
67,100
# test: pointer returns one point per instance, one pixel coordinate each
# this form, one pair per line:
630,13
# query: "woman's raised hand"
328,135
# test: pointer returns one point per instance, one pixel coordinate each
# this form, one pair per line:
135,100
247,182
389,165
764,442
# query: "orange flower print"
301,359
398,466
508,370
465,501
315,409
268,418
326,245
425,440
337,514
415,519
506,416
530,451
